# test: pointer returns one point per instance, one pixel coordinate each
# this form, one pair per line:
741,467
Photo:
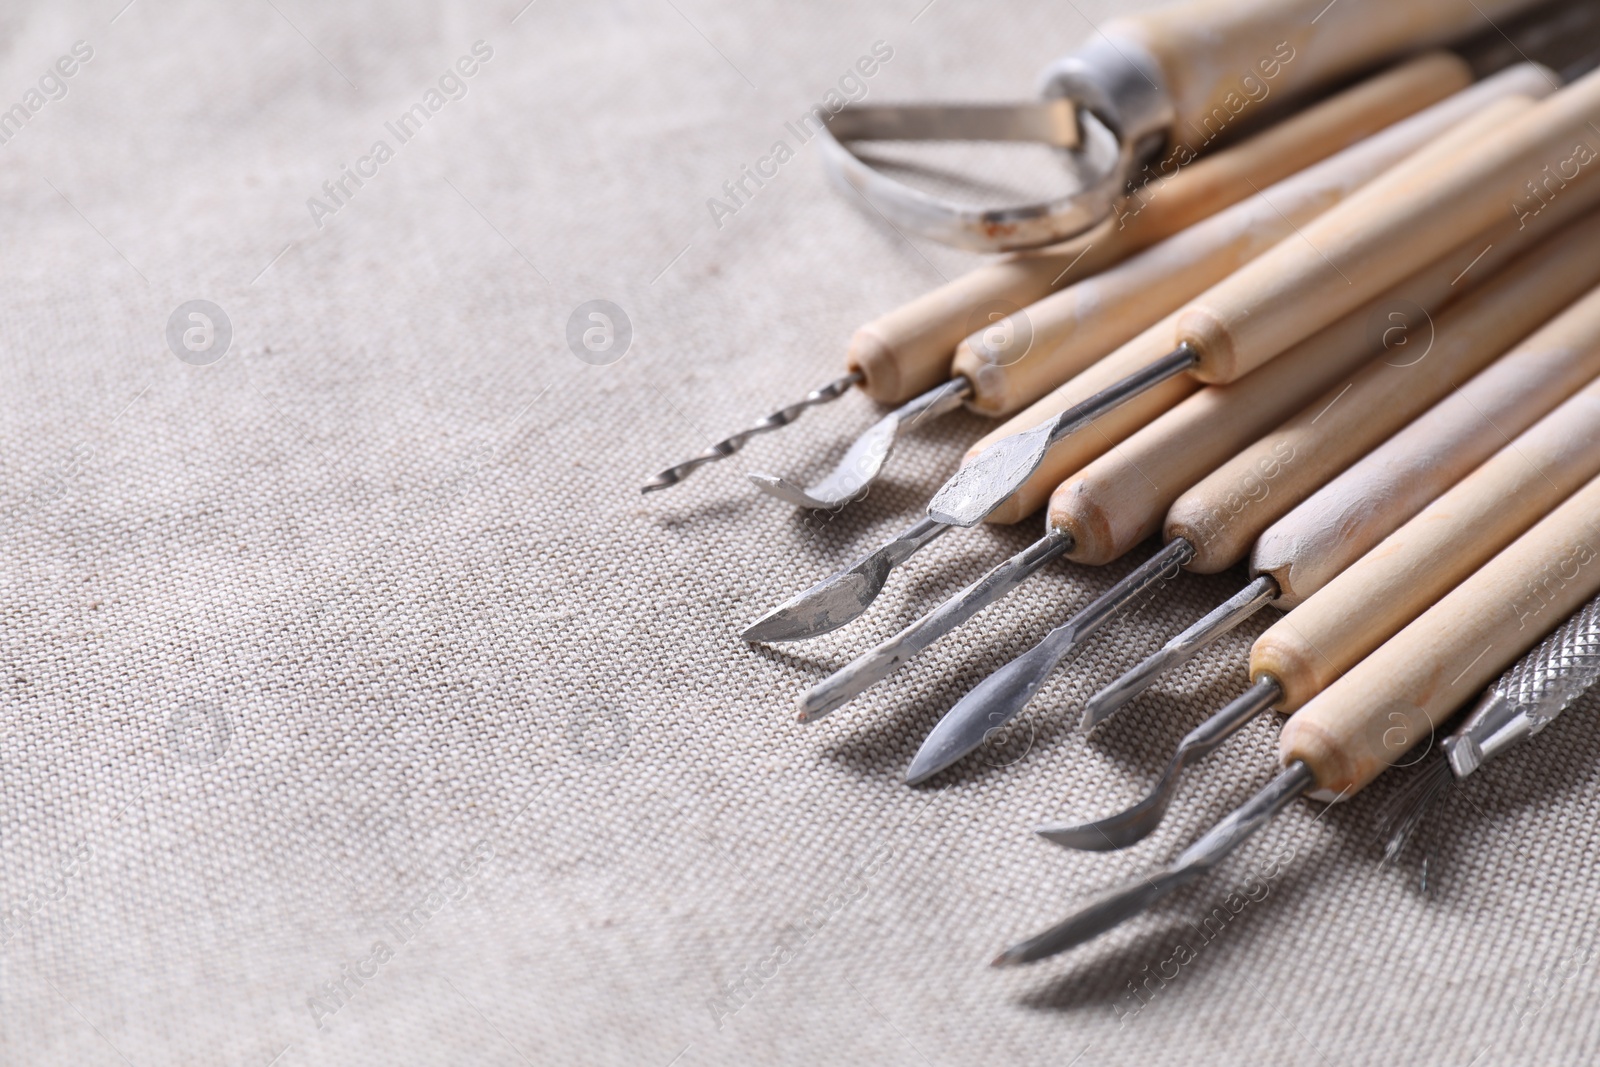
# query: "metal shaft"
776,421
872,667
1181,649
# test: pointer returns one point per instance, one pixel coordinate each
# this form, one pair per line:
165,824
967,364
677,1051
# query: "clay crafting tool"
842,597
1525,699
1344,258
1388,703
1018,358
901,361
1471,335
1120,498
1147,90
1375,597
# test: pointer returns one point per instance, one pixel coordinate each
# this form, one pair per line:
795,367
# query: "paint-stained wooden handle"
1019,357
1366,244
908,350
1413,567
1218,58
1224,514
1396,698
1338,523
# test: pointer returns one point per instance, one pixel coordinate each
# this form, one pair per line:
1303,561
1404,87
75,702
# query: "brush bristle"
1410,806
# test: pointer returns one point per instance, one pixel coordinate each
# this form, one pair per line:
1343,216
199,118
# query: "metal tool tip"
982,485
922,768
1009,958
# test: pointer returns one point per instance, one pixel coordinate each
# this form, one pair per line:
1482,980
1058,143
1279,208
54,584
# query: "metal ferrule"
1124,87
1496,724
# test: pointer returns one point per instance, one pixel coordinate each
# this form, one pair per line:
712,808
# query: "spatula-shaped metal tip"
836,601
824,607
866,458
994,702
981,486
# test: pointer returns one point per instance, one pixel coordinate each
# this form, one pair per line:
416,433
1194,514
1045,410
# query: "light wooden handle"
908,351
1221,57
1333,431
1433,553
1399,695
1338,523
1369,242
1020,357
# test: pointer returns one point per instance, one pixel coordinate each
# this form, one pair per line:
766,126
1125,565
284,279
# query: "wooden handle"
1433,553
1338,523
1023,355
1345,423
908,351
1221,57
1395,698
1369,242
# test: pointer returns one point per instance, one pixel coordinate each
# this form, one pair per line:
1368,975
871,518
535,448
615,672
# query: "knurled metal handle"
1551,678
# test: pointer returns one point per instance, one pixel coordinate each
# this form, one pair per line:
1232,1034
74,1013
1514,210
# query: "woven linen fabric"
358,709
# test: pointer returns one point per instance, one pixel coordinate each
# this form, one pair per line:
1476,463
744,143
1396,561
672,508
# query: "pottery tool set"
1321,300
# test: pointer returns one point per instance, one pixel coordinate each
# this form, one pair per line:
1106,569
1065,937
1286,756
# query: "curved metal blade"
872,667
867,456
1117,906
835,601
1134,824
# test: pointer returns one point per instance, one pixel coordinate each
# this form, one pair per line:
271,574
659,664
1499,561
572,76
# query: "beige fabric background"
371,609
